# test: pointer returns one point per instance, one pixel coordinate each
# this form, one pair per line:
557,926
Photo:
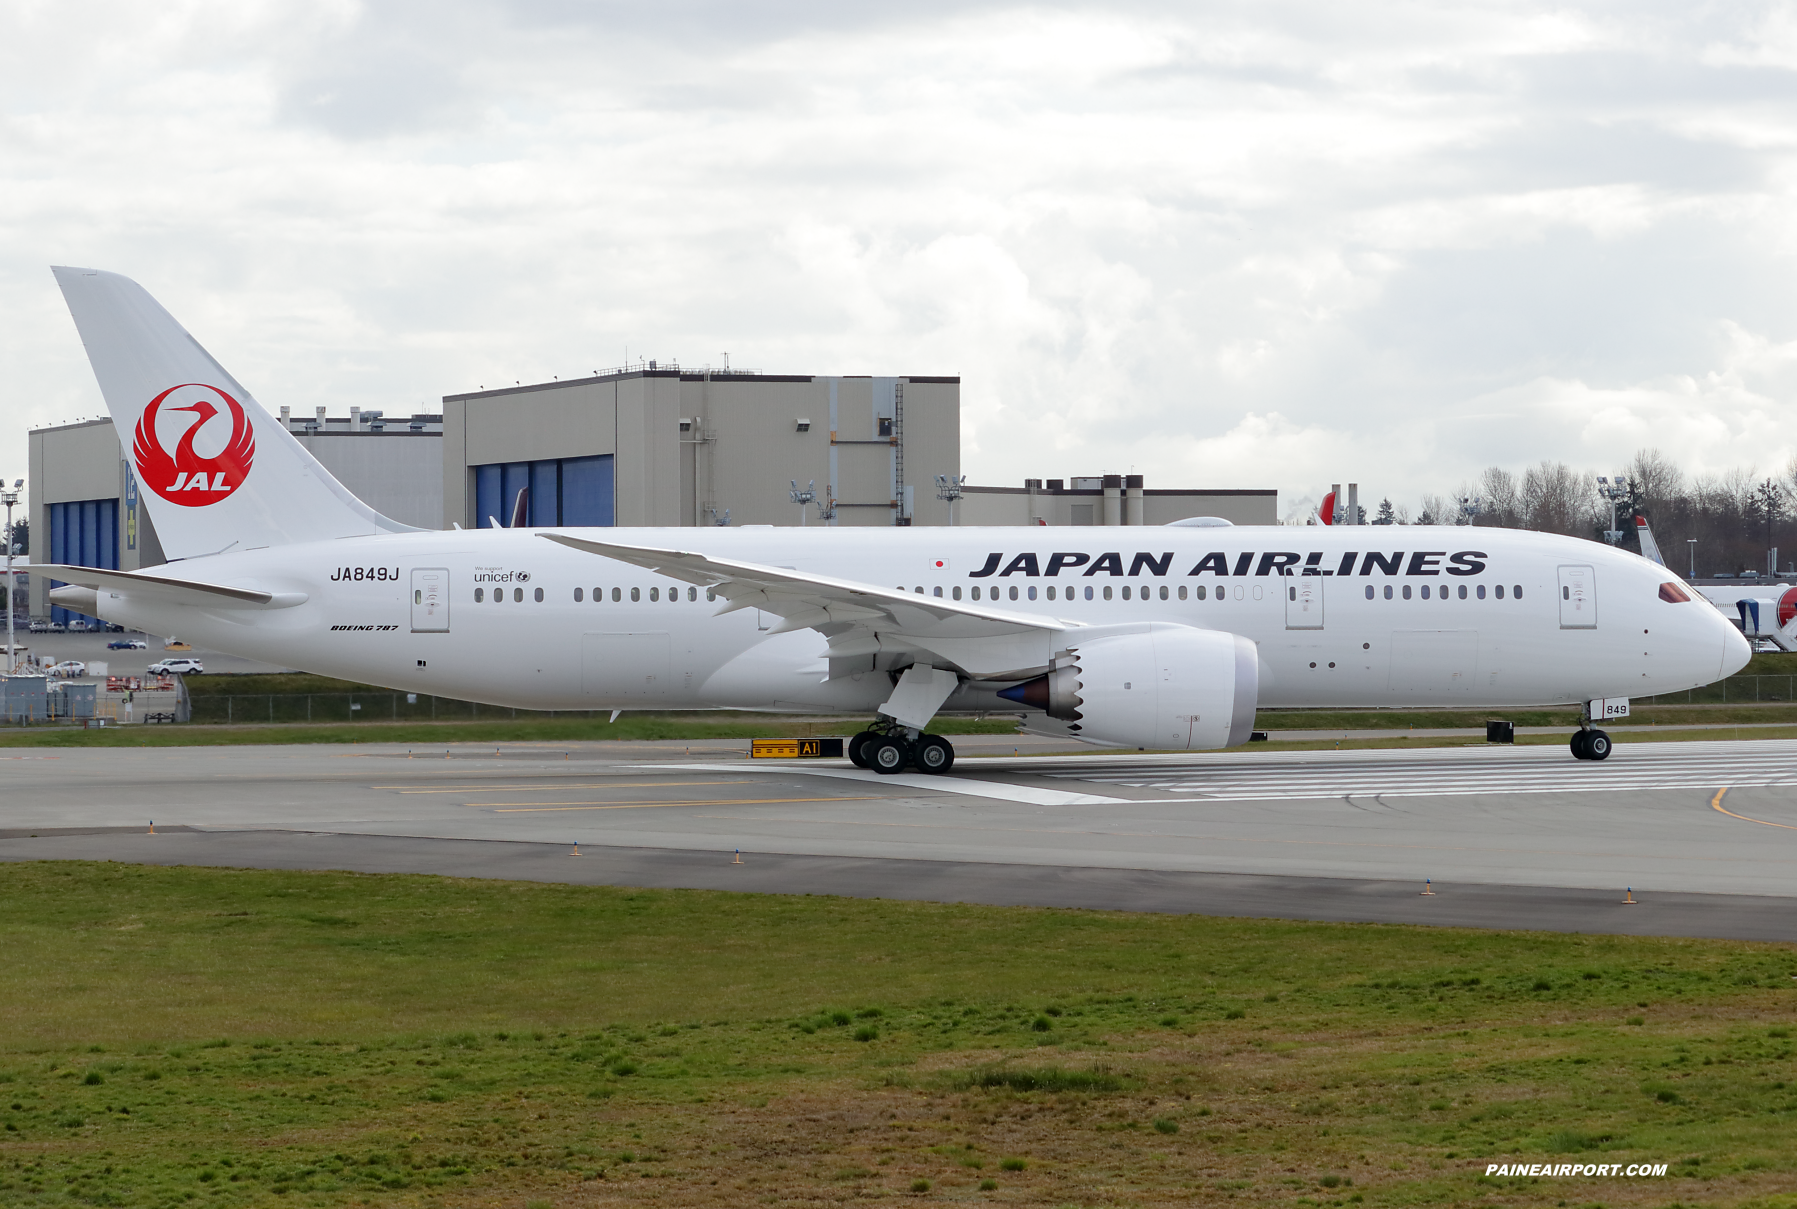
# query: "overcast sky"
1249,245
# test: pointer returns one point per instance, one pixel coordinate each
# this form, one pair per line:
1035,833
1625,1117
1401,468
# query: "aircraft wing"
167,588
858,619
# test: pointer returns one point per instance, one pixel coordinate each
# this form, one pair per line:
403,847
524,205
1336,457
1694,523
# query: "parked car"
181,665
68,667
126,644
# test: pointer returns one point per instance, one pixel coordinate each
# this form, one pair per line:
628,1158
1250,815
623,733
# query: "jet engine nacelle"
1151,686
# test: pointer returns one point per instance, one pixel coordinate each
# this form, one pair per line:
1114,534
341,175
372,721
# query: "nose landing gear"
891,750
1589,743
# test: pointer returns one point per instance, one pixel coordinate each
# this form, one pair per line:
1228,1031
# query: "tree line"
1736,516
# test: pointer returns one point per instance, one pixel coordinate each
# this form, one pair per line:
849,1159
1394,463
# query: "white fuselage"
1510,618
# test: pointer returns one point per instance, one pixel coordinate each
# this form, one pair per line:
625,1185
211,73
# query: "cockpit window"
1671,593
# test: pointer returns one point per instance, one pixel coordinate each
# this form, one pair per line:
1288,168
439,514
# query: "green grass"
220,1037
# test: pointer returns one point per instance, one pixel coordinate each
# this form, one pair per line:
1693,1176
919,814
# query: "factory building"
658,445
1111,499
650,445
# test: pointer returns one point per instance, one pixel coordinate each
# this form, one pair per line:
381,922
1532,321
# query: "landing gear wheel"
933,754
1597,745
858,748
1579,749
887,755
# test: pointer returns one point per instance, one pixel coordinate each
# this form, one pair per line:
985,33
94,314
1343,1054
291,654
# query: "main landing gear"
892,749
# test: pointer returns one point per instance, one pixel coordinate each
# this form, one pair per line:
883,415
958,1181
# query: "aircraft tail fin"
1650,549
216,471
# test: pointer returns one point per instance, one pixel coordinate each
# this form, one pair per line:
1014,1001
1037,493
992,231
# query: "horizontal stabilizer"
167,588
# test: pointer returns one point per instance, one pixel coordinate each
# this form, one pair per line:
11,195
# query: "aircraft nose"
1736,650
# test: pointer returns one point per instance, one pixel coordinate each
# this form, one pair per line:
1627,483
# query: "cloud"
1222,244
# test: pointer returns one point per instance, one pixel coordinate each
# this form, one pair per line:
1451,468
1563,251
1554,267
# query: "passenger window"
1369,591
1107,592
1032,591
1388,591
480,594
956,593
654,594
1462,591
636,594
1051,591
976,593
1291,593
1200,591
1013,592
1406,591
1516,591
517,595
617,594
711,594
1481,591
577,596
937,591
1500,591
1425,591
539,596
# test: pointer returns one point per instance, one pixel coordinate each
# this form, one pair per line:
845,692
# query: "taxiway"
1703,833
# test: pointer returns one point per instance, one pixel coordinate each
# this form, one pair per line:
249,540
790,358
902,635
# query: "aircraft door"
1304,602
430,600
1578,598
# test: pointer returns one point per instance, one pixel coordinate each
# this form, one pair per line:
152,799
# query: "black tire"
934,755
858,748
887,755
1597,745
1578,745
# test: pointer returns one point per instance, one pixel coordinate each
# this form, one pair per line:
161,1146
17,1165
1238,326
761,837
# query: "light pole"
801,497
9,497
1470,507
826,507
1617,492
949,491
1692,543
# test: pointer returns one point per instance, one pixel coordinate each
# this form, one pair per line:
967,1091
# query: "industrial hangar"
646,445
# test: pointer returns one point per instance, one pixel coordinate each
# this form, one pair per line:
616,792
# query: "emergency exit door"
430,600
1304,602
1578,598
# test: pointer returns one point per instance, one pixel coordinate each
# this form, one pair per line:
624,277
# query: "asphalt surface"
1704,834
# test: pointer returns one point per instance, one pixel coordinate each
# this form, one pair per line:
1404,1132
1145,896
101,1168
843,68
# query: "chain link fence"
360,707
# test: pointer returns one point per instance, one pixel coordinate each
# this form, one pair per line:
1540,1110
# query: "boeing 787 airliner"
1151,638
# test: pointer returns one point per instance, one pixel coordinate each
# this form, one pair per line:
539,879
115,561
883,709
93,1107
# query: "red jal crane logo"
187,478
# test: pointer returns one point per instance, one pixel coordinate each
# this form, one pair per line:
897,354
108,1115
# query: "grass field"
215,1037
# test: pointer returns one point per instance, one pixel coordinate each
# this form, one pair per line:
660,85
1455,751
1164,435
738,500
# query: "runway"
1705,834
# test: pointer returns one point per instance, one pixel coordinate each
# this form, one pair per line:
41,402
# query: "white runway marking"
1001,791
1437,773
